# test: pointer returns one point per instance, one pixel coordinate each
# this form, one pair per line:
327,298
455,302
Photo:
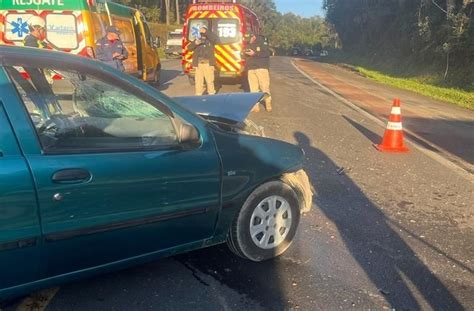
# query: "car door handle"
71,176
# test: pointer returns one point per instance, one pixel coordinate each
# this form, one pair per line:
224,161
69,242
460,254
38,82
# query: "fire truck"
231,22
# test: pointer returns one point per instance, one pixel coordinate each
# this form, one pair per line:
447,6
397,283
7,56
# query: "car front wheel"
266,225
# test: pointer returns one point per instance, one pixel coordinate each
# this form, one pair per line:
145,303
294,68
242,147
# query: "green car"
99,171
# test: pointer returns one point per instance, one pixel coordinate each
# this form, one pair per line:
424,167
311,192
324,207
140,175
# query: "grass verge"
452,95
405,73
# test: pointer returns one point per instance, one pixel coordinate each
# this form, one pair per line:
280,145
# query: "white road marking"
435,156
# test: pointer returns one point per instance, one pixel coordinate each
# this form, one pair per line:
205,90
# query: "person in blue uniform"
111,50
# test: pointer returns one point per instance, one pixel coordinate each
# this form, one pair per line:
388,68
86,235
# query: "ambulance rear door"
149,52
127,35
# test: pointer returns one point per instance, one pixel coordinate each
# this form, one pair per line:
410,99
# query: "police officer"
36,35
258,65
204,61
110,49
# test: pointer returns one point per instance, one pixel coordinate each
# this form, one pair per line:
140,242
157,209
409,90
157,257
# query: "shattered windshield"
75,112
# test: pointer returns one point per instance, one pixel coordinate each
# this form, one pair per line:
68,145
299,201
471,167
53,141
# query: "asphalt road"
386,231
442,127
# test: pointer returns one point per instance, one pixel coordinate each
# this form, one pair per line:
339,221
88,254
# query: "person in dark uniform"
35,39
258,65
110,49
204,61
36,35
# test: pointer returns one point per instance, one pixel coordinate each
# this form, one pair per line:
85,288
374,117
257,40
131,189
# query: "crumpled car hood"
232,106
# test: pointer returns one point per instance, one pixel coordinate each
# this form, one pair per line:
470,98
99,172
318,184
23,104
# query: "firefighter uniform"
204,61
258,66
34,42
37,74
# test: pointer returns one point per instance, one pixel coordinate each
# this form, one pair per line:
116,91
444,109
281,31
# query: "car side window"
75,113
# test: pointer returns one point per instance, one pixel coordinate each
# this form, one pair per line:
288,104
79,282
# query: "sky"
305,8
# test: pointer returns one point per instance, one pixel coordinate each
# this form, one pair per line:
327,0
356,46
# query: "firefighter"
36,35
204,61
36,39
258,65
111,50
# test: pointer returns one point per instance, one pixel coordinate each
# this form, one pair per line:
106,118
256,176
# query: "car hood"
232,107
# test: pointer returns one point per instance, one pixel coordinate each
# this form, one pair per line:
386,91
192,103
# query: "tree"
167,11
177,12
425,32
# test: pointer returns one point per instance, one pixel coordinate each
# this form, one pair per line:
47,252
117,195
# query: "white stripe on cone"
396,110
395,126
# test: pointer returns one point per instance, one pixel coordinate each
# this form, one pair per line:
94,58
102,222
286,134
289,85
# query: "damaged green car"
99,171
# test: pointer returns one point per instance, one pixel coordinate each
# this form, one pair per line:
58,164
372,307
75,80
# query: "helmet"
35,22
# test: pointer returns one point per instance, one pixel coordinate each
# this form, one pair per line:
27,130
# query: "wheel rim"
270,222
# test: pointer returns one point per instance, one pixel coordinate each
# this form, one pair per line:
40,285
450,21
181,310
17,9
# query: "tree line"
426,32
283,31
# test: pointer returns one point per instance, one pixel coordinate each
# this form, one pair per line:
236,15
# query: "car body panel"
256,160
233,106
138,206
19,222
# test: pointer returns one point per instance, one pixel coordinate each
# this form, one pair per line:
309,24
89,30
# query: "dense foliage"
284,31
438,34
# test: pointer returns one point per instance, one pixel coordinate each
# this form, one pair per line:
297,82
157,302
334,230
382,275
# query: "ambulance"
74,26
231,22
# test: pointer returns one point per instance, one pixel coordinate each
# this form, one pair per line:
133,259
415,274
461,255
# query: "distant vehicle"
295,51
231,22
324,53
100,171
174,43
74,26
308,52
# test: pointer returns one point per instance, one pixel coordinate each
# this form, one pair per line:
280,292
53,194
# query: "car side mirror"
189,136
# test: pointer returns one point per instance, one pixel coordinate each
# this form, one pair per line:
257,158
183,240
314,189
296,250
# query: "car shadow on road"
390,264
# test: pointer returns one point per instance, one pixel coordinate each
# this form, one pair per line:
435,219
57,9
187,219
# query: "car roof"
23,56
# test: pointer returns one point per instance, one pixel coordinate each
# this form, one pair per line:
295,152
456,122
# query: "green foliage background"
284,31
429,41
432,39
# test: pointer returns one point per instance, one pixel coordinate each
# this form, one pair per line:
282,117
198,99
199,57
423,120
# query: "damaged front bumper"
300,183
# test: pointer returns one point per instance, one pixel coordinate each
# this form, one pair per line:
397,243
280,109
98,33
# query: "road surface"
387,231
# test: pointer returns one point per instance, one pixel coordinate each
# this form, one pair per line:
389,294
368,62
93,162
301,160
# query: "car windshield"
80,112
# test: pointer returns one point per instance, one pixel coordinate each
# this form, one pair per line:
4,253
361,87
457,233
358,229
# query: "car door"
113,181
19,224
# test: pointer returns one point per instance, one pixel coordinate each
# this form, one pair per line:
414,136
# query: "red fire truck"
231,22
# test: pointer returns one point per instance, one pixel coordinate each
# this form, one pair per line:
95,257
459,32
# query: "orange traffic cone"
393,136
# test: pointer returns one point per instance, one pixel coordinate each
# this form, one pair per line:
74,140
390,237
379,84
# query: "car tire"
267,222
